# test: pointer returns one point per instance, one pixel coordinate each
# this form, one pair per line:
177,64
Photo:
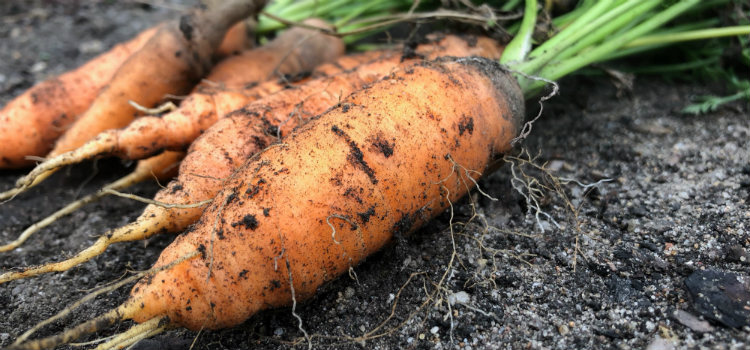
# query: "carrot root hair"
136,333
83,329
157,167
125,311
140,229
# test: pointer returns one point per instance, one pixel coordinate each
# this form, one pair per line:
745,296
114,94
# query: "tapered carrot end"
140,229
102,144
89,327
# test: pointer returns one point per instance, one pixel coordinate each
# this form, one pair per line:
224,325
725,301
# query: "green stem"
579,28
669,38
611,22
564,20
520,46
554,72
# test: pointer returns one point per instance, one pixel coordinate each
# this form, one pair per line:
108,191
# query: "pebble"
660,343
38,67
459,298
91,47
691,321
720,296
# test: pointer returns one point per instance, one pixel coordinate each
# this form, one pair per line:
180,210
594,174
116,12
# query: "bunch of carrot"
292,190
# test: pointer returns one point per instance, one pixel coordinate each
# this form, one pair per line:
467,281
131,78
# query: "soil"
655,254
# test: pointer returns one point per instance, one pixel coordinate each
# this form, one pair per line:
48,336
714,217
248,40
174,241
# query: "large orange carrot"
383,162
30,123
215,155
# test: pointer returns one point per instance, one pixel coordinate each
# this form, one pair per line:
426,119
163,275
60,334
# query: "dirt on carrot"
241,134
516,289
30,123
171,62
247,255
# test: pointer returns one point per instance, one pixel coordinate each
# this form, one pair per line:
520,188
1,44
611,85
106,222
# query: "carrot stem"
668,38
520,46
595,54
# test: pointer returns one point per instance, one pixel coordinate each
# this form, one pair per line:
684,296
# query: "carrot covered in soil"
342,185
336,185
52,105
171,62
215,155
230,85
233,83
30,123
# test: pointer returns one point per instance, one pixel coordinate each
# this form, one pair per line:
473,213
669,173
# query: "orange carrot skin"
171,62
383,160
30,124
225,146
237,39
296,51
111,108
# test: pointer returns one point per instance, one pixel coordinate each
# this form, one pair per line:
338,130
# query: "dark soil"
657,254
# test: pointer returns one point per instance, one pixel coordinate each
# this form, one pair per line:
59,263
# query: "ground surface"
673,223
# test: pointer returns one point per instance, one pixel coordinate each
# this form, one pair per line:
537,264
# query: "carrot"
175,57
334,192
237,39
241,134
53,104
296,51
171,62
30,123
175,131
233,84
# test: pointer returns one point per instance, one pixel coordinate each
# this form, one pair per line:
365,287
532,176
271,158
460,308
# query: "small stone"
563,329
91,47
278,332
660,343
721,296
349,292
434,330
555,165
459,298
691,321
38,67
